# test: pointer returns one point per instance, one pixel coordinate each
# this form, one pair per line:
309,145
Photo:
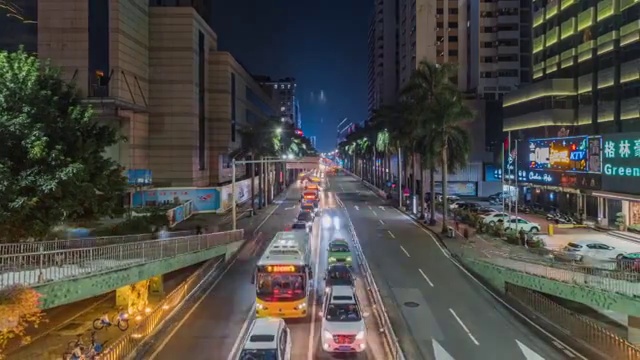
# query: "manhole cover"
411,304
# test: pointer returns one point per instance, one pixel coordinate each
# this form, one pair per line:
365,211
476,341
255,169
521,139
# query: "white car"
343,327
519,223
587,249
456,204
495,218
268,338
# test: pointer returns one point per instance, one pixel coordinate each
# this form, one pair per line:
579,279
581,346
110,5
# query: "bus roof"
290,247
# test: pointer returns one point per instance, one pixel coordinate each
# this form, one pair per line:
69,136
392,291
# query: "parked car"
495,218
581,249
519,223
486,211
456,204
628,262
469,206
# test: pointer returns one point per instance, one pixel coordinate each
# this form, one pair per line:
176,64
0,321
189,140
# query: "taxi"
339,252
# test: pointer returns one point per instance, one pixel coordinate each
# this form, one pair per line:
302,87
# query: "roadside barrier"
391,340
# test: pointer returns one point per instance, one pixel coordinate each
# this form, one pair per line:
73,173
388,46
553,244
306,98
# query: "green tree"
53,167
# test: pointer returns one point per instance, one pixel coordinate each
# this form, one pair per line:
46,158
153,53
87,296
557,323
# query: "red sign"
299,132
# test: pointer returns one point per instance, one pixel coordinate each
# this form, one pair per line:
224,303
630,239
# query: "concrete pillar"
633,329
134,297
156,285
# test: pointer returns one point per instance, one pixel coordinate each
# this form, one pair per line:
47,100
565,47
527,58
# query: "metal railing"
391,340
130,341
41,267
610,345
85,242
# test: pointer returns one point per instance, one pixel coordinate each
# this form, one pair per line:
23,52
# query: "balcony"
508,50
508,65
548,117
586,19
606,8
549,87
538,18
568,28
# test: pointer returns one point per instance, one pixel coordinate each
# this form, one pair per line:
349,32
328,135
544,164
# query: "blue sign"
204,199
492,173
139,177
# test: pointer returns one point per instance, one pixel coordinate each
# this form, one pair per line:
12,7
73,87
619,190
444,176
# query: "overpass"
66,271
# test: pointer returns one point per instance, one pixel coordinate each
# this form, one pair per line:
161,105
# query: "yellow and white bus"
283,277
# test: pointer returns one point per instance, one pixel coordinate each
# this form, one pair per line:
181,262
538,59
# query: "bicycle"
77,350
121,320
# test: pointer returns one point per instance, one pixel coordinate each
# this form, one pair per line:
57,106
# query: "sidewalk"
50,339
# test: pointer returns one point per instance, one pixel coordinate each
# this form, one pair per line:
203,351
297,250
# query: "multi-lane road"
438,310
215,327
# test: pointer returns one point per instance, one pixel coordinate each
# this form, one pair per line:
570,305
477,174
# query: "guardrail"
130,341
40,267
391,339
63,244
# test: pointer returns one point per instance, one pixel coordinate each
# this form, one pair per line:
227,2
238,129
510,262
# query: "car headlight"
348,258
332,259
259,307
301,306
360,335
327,335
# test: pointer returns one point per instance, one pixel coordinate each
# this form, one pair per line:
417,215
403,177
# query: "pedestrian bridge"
66,271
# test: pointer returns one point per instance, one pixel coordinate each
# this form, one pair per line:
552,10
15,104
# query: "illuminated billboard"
559,154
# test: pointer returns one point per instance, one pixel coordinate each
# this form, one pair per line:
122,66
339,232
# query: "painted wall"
497,276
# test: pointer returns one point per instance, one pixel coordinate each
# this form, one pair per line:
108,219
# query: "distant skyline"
323,46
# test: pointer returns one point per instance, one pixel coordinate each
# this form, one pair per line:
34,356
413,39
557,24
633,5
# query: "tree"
19,310
53,168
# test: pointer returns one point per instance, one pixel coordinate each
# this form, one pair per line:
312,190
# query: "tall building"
283,92
312,140
204,8
382,74
179,107
297,115
586,71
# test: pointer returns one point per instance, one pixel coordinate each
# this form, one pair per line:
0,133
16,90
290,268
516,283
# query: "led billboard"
559,154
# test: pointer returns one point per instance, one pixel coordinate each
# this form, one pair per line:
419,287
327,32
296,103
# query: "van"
268,338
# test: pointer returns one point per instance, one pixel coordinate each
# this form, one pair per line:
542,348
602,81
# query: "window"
453,52
453,11
453,39
201,105
233,107
453,25
99,47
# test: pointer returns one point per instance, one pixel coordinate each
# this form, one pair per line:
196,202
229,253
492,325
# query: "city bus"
283,277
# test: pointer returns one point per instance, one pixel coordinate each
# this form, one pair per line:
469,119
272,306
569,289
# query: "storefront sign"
538,177
559,154
621,162
492,173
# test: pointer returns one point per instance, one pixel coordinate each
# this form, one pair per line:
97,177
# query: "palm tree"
437,110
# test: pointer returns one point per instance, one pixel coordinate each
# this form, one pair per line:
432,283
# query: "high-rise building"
283,92
204,8
382,74
586,71
312,140
297,115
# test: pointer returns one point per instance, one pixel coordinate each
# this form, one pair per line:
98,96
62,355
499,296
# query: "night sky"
323,44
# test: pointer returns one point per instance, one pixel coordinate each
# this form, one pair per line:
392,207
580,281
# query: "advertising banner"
458,188
204,199
139,177
559,154
621,162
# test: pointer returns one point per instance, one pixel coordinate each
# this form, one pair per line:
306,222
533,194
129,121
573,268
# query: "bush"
19,310
535,243
136,225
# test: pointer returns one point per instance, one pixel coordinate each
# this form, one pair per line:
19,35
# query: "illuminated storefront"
621,176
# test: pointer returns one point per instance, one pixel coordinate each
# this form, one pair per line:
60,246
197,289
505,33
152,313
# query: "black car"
469,206
300,225
305,217
338,275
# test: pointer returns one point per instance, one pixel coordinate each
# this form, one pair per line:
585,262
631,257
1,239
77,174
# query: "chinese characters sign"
621,162
559,154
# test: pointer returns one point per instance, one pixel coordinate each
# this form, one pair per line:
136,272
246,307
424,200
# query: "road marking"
439,352
528,353
356,206
243,330
381,222
465,327
496,297
374,213
370,207
405,251
313,307
204,296
382,208
425,277
390,233
290,208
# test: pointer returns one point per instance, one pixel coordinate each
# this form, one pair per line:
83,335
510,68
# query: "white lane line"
425,277
356,206
381,208
464,327
390,233
243,330
312,333
370,207
435,241
405,251
381,222
374,213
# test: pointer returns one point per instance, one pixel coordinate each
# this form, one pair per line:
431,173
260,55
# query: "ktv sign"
621,162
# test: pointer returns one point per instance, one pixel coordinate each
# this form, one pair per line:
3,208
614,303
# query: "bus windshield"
281,287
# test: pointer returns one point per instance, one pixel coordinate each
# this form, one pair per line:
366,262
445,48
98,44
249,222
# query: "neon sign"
560,154
281,269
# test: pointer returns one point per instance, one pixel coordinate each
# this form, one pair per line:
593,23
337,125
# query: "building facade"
382,47
151,70
283,91
585,90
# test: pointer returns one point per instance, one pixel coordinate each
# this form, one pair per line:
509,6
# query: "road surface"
438,310
215,327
